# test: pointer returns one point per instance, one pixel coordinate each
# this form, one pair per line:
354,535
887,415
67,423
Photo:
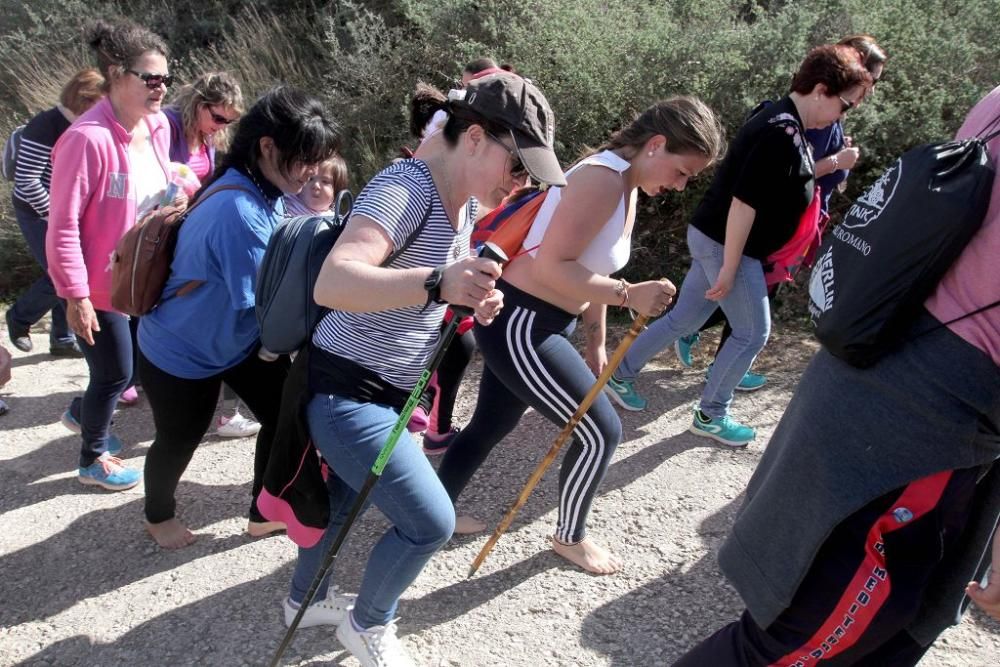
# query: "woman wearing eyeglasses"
581,235
751,209
108,169
200,115
369,351
834,155
193,342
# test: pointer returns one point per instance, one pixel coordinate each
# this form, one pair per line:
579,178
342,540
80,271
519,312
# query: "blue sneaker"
725,429
749,382
109,473
683,346
624,394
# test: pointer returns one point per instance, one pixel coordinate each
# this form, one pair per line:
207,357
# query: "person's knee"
436,526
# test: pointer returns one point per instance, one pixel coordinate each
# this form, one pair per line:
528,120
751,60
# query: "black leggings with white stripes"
531,363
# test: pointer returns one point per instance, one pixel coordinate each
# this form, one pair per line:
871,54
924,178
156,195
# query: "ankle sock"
702,417
354,624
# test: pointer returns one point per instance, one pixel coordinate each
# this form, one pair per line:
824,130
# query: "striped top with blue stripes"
33,169
397,344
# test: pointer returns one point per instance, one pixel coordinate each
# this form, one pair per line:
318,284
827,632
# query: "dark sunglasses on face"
846,105
220,120
153,81
516,166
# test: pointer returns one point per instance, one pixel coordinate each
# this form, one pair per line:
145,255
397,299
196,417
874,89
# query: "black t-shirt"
769,168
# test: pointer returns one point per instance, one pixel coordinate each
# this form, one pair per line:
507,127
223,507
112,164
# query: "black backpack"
286,310
875,270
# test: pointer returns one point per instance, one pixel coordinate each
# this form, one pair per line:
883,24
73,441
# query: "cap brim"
540,160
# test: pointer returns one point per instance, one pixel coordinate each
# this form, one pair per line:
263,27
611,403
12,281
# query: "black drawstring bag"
877,267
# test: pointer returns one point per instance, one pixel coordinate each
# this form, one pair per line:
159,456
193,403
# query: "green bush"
598,62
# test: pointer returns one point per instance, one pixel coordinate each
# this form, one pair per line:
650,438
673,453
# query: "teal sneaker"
683,347
749,382
109,473
725,429
624,394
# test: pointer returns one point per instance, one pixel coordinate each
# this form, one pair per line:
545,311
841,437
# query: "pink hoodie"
92,200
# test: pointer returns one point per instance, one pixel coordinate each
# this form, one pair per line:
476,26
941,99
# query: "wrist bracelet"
621,291
835,160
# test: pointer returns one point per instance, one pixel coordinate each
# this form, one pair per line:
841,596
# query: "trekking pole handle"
488,251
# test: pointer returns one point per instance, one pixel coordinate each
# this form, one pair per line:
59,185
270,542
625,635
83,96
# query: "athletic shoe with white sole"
683,347
723,429
749,382
377,646
108,472
330,611
624,394
237,426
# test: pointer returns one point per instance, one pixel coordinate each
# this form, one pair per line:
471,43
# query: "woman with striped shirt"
369,351
32,179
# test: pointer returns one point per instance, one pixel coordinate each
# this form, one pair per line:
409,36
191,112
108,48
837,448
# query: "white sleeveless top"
609,250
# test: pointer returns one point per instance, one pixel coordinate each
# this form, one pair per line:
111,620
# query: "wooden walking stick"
637,326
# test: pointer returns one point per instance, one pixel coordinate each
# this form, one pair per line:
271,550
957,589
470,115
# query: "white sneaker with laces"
330,611
237,426
377,646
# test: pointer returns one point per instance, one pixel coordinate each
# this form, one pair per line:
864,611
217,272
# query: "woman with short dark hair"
751,209
204,332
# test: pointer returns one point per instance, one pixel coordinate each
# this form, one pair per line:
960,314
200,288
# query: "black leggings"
530,362
449,378
182,413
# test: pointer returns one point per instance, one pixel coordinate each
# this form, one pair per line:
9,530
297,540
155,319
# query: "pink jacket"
93,200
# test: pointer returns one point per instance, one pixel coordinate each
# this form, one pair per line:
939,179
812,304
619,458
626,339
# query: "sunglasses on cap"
516,166
153,81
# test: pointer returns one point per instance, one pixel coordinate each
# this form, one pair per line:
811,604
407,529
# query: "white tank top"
609,250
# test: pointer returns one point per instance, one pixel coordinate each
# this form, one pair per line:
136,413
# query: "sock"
702,417
354,624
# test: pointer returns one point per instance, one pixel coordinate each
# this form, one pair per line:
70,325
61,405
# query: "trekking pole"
489,251
637,326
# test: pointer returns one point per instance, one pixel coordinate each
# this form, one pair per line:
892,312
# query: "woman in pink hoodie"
108,169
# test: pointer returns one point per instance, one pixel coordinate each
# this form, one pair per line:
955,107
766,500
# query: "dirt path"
83,585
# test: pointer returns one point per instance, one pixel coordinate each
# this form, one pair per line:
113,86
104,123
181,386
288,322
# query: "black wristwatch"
433,286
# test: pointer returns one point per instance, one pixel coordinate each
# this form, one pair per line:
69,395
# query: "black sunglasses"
153,81
516,166
220,120
846,105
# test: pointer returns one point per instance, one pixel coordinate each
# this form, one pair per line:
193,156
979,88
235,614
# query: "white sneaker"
377,646
237,426
330,611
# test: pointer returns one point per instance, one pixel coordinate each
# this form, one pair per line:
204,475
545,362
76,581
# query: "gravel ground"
82,584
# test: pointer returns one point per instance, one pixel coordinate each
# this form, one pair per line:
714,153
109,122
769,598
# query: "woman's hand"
180,200
470,282
651,298
723,285
848,157
490,308
82,318
596,357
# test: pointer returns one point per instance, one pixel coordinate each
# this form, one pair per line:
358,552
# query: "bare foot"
467,525
262,528
170,534
589,556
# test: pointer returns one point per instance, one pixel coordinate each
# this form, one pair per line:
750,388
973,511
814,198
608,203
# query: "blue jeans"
745,306
40,297
350,435
111,364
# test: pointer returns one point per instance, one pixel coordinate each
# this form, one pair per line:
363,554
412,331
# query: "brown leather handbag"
141,262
